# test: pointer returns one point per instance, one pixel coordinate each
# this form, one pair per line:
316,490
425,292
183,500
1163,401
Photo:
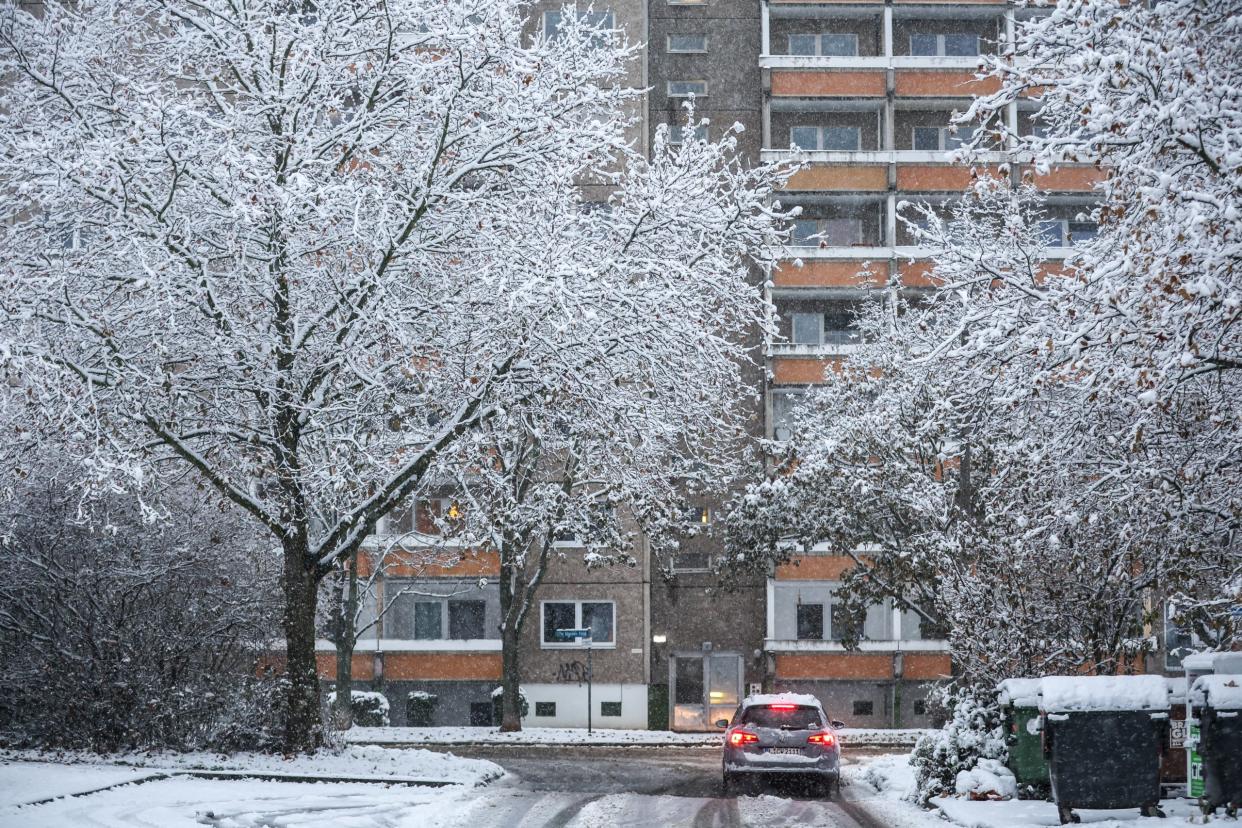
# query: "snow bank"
1068,694
1020,692
989,779
1219,692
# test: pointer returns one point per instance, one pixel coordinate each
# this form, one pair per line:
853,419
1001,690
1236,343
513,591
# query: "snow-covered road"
573,788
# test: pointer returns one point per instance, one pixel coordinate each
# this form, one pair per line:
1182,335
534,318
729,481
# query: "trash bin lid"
1074,694
1220,692
1020,692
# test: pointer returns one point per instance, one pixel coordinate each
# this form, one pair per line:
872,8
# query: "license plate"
787,751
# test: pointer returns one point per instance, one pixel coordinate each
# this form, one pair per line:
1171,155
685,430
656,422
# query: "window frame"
818,39
823,621
677,134
940,43
545,644
668,44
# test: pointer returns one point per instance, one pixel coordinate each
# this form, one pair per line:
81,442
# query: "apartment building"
867,91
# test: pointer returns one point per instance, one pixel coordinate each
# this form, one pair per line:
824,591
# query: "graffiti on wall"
571,672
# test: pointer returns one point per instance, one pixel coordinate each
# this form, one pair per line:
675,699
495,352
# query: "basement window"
610,708
864,707
545,709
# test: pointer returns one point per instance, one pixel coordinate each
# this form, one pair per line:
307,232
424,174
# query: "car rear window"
792,717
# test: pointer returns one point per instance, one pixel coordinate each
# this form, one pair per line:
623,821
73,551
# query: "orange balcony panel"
432,563
802,371
815,568
1070,179
364,666
834,666
820,273
801,84
941,84
834,177
442,666
942,178
926,666
917,274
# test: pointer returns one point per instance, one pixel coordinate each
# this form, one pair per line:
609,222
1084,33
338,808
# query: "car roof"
766,699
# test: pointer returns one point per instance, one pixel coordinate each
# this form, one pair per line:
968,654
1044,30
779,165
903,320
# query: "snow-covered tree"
949,477
302,248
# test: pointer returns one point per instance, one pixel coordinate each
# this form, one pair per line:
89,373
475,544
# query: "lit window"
698,516
687,43
686,88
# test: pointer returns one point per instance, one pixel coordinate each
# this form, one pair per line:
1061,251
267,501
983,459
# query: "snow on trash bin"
1083,694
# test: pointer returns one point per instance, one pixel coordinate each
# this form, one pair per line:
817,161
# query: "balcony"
827,349
872,157
871,62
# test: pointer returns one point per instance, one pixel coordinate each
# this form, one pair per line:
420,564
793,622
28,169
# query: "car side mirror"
722,723
837,724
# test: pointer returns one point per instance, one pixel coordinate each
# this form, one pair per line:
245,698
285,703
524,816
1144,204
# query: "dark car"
781,735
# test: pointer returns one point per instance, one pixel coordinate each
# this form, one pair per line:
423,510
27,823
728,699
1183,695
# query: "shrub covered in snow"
370,708
122,633
974,733
988,779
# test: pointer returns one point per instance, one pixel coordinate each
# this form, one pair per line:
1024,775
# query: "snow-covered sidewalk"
556,736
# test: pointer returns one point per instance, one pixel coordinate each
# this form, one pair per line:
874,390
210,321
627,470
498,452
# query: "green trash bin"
1019,701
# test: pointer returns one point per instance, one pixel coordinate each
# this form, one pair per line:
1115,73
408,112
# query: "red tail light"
782,706
824,738
742,737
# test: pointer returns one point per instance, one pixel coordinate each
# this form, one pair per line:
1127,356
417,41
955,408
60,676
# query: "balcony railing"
790,349
875,62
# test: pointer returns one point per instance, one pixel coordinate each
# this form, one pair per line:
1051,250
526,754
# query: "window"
920,707
783,404
942,138
830,45
427,626
610,708
807,328
689,677
698,516
686,88
802,717
1082,231
465,619
590,19
863,707
841,323
810,622
597,616
687,2
480,714
804,232
692,562
429,516
841,232
545,708
837,138
678,134
842,624
687,43
1053,233
960,44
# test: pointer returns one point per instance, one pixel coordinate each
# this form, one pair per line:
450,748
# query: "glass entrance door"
704,687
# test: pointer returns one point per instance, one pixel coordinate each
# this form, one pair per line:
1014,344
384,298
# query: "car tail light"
781,706
825,738
742,737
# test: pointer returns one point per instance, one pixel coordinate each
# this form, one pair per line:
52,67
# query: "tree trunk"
510,681
343,710
303,725
510,676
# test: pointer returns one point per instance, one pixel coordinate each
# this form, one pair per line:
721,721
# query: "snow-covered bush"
498,699
419,708
370,708
117,633
973,736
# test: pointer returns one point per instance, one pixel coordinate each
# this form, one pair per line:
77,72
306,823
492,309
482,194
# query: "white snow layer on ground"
352,762
1066,694
578,736
22,782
